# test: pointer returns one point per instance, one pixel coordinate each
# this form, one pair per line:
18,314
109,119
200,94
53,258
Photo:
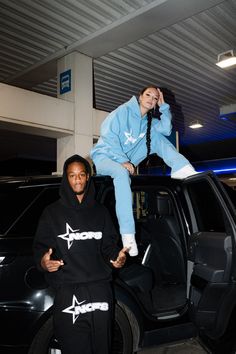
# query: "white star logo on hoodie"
130,138
72,235
69,235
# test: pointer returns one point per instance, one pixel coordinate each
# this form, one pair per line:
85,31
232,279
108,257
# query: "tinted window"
231,193
109,201
13,202
26,225
145,203
207,208
139,204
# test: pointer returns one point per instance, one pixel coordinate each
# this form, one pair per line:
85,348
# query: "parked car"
181,285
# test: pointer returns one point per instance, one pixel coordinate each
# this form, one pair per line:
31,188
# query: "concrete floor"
190,346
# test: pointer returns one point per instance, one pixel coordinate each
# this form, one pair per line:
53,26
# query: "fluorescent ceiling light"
195,124
226,59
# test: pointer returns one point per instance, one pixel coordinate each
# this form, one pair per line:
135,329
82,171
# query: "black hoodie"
81,234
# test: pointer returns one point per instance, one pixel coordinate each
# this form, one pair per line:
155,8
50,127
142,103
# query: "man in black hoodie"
76,245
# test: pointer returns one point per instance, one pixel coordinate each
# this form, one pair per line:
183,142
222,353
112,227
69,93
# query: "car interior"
158,274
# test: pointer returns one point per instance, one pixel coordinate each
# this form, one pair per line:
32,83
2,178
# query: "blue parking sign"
65,82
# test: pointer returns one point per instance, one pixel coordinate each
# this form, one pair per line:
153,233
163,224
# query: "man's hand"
49,264
120,260
129,166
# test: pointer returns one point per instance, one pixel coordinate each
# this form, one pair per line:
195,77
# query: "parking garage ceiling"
171,43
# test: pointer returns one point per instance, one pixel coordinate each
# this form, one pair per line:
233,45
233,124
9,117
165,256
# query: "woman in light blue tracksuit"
128,136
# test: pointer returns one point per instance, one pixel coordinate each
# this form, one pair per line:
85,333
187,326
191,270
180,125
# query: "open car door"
211,253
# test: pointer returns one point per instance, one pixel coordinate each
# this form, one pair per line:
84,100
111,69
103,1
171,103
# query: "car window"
145,203
140,199
26,224
207,209
13,203
231,193
108,200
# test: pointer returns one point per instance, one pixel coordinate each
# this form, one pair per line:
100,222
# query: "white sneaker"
129,241
184,172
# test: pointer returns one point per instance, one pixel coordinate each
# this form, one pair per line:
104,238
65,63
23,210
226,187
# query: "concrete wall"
29,112
98,117
33,113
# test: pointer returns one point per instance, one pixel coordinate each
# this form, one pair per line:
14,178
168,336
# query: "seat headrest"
164,206
152,205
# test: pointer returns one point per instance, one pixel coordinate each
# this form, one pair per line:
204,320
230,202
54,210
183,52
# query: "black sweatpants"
83,318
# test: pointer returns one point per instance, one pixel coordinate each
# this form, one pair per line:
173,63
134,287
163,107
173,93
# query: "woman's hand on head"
129,166
161,98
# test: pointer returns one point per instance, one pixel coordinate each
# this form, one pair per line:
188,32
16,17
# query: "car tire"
122,336
44,342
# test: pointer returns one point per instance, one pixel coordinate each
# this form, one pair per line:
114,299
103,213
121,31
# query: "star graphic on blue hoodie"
131,139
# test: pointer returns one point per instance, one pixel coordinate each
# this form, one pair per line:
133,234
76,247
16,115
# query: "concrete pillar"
75,84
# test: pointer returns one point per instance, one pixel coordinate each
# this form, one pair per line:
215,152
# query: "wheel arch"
45,316
133,312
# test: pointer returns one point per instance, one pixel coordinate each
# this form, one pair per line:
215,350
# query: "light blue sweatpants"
121,179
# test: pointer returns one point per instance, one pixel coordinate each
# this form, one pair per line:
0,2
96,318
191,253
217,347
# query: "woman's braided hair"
148,133
149,122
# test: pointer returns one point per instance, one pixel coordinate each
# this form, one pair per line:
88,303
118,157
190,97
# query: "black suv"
181,285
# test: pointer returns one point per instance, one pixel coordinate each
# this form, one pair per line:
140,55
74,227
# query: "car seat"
165,254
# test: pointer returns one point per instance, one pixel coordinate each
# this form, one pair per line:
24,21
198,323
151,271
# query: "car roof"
141,180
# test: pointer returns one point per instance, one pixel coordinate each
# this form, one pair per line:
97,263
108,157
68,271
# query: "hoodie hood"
133,106
68,196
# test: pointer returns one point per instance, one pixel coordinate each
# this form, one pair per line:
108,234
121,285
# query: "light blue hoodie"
123,129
